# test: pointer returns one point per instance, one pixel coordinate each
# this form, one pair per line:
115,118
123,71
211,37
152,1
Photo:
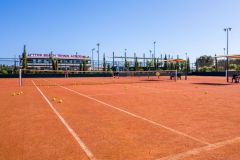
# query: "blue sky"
70,26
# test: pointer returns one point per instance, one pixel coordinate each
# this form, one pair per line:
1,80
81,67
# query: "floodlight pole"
186,66
154,53
227,30
98,44
154,48
144,60
92,59
150,55
125,59
113,60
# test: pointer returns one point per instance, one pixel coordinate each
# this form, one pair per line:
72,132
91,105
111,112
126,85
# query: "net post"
20,77
226,74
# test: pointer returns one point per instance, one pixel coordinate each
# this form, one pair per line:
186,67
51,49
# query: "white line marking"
72,132
197,151
136,116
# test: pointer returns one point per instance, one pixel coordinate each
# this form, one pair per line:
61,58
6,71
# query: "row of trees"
154,64
208,63
4,69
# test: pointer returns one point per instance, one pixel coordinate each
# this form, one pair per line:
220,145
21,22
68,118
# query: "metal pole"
216,63
154,47
144,60
125,54
154,60
227,57
186,67
113,60
92,59
20,78
227,63
161,61
98,44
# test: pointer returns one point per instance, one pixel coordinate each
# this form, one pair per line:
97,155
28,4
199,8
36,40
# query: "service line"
71,131
136,116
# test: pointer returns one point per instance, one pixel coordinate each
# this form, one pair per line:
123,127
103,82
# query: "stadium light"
150,51
154,47
98,44
186,66
227,30
92,59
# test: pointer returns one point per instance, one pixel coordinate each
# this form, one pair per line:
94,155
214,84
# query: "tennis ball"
18,93
21,92
60,101
54,99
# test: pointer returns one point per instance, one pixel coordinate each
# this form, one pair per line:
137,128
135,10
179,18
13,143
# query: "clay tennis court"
120,119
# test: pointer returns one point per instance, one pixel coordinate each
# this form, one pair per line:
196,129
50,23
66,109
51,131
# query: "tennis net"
94,77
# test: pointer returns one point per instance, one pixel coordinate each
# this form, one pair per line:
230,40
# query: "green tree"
136,64
204,61
54,62
4,71
221,64
233,67
24,58
104,63
188,65
126,65
165,63
182,66
84,65
108,67
155,63
157,67
148,64
238,67
81,66
204,69
216,64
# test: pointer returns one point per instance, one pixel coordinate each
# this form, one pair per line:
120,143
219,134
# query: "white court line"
136,116
72,132
197,151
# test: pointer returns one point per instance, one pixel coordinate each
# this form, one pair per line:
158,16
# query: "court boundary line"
196,151
70,130
135,115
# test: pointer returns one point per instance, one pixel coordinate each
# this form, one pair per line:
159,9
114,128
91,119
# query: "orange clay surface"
120,119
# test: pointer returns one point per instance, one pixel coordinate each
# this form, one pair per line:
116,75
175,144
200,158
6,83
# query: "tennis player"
115,71
66,74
